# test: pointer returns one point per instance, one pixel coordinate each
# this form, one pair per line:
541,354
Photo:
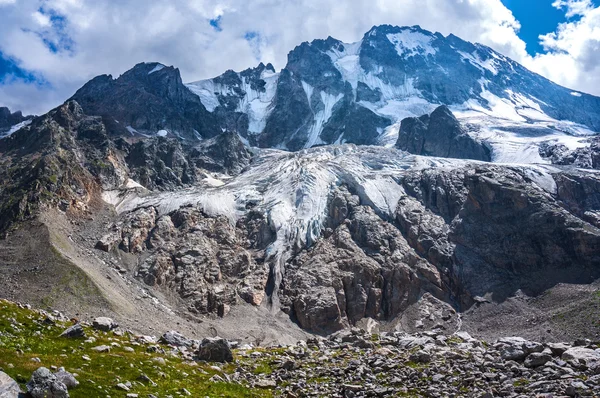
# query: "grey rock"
175,339
104,324
44,384
74,331
9,388
214,350
66,378
536,359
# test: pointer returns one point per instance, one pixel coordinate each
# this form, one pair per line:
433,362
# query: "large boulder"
214,349
44,384
8,387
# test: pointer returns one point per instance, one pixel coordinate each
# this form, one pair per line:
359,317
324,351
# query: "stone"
74,331
214,349
175,339
104,324
44,384
66,378
9,388
581,355
101,348
536,359
558,348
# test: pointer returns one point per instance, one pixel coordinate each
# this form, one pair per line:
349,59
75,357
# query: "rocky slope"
326,238
101,357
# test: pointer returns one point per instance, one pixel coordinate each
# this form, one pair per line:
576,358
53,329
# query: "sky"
50,48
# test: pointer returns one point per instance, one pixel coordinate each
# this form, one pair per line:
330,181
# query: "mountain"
150,99
11,122
140,198
334,92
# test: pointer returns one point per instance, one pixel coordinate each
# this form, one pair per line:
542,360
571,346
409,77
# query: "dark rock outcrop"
214,350
8,119
149,98
440,134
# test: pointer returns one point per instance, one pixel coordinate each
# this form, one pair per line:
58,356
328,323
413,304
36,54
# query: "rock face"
148,99
8,387
440,134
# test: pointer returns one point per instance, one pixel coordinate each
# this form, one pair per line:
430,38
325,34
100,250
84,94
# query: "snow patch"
321,118
16,128
256,104
131,130
157,68
475,60
411,43
575,94
162,133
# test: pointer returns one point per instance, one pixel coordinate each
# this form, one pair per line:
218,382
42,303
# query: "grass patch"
24,337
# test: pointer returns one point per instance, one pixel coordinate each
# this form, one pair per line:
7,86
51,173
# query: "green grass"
99,376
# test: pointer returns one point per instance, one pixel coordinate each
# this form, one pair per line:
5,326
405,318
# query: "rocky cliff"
440,134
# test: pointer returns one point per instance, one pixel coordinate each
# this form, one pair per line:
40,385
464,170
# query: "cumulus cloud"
67,42
573,51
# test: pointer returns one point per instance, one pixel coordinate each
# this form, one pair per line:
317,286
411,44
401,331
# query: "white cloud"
109,37
573,51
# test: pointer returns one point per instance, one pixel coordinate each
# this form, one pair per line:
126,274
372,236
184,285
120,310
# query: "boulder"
581,355
8,387
73,332
66,378
176,339
105,324
536,359
44,384
214,349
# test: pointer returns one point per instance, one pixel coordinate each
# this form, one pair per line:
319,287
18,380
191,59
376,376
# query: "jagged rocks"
214,350
9,388
440,134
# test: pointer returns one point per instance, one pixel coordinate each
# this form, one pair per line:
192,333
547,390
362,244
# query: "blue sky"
537,17
50,48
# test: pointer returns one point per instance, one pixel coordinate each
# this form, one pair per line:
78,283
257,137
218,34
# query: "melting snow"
575,94
162,133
